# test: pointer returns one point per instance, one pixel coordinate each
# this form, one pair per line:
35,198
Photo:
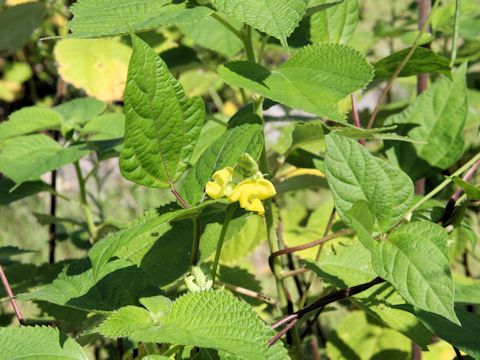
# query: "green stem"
225,23
247,42
226,222
444,183
87,211
453,56
401,66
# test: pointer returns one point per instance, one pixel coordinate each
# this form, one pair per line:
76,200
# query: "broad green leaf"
118,284
467,290
304,134
335,24
438,117
422,61
38,343
98,66
464,336
277,18
346,263
170,244
26,189
208,319
414,259
29,120
27,157
212,35
472,191
96,18
105,127
17,24
79,111
315,79
358,337
354,174
150,226
162,125
243,135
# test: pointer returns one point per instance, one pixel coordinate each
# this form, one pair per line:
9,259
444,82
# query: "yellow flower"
251,192
220,186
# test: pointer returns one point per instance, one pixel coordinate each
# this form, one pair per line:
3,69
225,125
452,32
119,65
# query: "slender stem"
87,211
401,66
225,23
458,354
356,117
453,56
179,197
249,44
196,241
322,302
444,183
226,222
8,289
249,293
261,51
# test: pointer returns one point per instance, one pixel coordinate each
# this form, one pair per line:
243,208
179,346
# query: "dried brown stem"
249,293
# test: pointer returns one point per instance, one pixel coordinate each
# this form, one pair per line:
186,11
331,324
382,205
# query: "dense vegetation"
239,179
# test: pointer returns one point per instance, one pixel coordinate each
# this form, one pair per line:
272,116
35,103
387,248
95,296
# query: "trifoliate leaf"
315,79
277,18
162,124
96,18
39,342
98,66
208,319
354,174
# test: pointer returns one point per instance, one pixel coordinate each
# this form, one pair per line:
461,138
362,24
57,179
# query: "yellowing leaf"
98,66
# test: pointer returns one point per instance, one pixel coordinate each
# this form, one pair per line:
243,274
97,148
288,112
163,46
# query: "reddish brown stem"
309,245
356,117
179,198
9,291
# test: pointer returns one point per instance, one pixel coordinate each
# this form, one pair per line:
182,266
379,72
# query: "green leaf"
437,116
277,18
118,284
39,342
17,24
208,319
150,226
472,191
212,35
354,132
335,24
422,61
414,259
8,251
354,174
26,189
358,337
81,110
243,135
25,158
315,79
304,134
105,127
162,125
98,66
464,336
467,290
346,263
96,18
29,120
